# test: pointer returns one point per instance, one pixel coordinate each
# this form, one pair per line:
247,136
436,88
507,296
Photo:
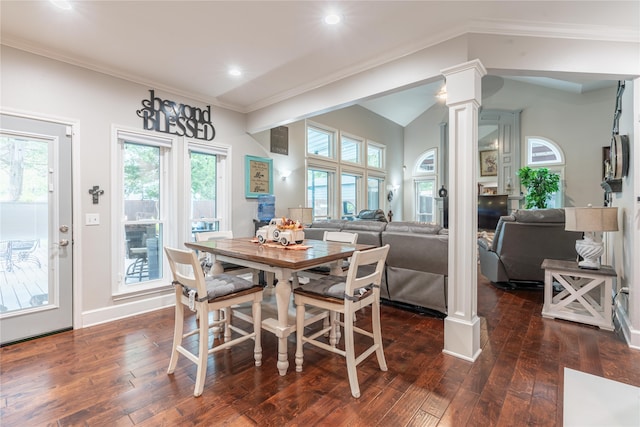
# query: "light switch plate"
92,219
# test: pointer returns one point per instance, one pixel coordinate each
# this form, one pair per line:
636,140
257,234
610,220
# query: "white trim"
121,311
416,168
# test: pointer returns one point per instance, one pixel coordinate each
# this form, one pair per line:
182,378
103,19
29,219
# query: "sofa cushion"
368,231
539,215
371,215
413,227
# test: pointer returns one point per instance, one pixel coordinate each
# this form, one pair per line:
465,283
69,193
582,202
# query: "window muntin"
350,149
203,174
425,200
320,142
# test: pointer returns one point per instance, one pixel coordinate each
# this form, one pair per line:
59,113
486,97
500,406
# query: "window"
350,149
350,191
424,199
335,186
426,164
144,200
203,216
147,193
319,191
375,155
320,142
424,172
543,152
375,187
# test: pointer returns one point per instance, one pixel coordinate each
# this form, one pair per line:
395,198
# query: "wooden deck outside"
23,282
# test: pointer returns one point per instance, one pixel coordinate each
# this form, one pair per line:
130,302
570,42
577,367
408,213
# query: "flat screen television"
490,209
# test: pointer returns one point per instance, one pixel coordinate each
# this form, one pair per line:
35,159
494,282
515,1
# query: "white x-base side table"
585,295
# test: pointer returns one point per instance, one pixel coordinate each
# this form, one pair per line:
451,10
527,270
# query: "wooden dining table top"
293,257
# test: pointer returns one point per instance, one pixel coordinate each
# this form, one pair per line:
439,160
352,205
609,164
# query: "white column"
462,324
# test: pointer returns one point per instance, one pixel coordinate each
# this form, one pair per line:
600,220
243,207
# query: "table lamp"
590,220
303,215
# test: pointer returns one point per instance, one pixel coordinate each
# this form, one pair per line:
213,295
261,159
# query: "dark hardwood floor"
115,375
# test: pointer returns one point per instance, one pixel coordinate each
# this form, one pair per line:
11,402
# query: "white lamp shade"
303,215
591,219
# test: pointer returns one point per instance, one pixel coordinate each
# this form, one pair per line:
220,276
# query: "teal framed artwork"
258,178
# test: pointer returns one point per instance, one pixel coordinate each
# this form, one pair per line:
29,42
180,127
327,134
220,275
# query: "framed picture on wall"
489,163
258,176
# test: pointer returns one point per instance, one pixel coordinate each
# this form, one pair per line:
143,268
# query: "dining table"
284,262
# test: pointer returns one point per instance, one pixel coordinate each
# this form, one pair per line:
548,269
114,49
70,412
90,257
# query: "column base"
462,338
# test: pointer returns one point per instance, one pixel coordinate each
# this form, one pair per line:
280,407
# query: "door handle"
63,242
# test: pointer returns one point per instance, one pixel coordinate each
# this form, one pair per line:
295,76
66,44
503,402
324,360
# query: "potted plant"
540,184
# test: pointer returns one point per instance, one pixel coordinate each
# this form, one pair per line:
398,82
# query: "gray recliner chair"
522,241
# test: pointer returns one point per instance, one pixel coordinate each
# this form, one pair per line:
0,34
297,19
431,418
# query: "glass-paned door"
35,228
425,206
374,191
349,189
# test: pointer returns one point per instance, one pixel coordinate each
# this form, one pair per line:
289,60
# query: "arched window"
543,152
427,163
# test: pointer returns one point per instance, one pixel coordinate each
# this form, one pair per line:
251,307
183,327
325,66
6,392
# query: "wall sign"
167,116
258,176
280,140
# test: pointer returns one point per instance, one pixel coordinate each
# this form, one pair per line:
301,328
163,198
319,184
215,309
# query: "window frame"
359,142
417,171
166,212
551,145
383,155
332,144
434,212
223,205
337,167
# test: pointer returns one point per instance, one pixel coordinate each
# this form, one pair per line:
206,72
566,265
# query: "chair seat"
331,286
221,285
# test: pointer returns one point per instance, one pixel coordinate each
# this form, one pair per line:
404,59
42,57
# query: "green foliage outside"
540,184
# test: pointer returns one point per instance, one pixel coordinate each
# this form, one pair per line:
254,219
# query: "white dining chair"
204,295
344,295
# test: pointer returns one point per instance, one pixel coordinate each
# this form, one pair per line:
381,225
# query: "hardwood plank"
115,374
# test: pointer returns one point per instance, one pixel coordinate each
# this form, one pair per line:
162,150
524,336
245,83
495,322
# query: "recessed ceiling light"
235,72
332,19
62,4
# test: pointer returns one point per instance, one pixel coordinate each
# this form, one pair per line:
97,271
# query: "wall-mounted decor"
280,140
489,163
162,115
258,176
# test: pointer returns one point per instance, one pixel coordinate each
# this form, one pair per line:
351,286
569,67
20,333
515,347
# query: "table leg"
283,297
217,268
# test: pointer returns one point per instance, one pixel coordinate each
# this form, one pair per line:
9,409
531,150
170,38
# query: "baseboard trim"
122,311
623,323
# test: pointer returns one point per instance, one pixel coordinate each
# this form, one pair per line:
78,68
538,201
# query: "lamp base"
590,251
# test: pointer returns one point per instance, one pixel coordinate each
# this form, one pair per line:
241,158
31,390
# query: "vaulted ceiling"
284,48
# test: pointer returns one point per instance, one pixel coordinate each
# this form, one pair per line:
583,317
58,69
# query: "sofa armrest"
485,243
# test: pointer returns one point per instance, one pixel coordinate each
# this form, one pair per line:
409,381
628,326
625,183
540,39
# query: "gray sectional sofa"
417,265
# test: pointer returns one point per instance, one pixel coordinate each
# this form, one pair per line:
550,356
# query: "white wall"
42,87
